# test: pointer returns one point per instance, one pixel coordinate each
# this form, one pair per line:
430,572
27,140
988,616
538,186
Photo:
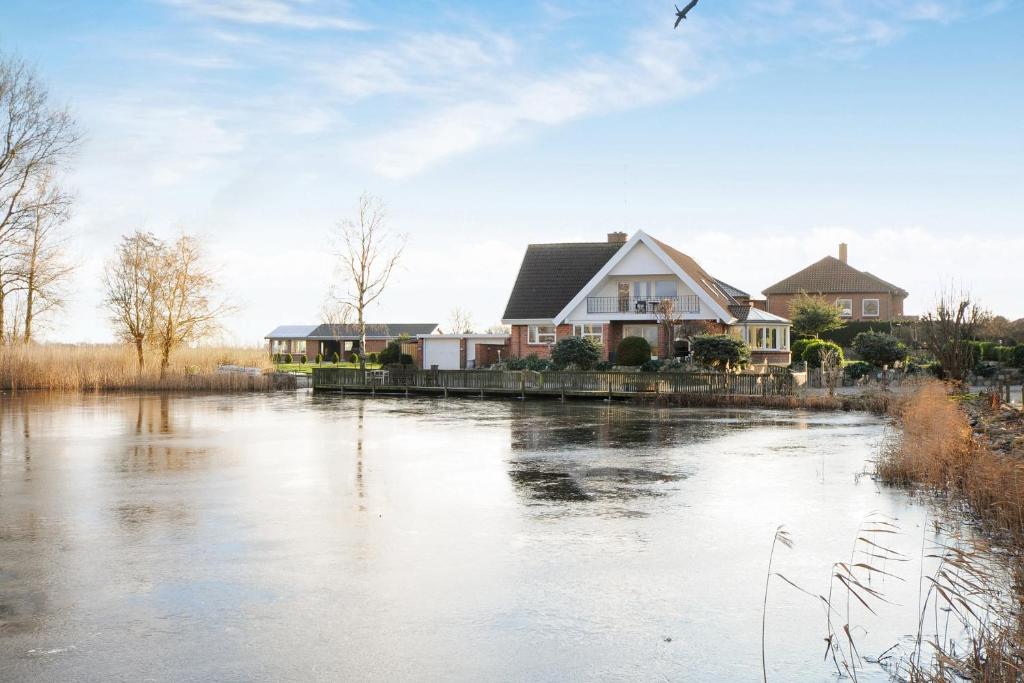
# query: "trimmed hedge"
812,352
845,335
633,351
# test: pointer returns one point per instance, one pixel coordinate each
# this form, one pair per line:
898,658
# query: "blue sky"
755,138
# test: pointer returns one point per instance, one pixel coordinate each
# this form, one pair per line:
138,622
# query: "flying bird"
681,13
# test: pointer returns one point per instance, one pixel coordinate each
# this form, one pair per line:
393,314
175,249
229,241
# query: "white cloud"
286,13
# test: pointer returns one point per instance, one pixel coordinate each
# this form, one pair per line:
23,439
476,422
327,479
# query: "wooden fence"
777,382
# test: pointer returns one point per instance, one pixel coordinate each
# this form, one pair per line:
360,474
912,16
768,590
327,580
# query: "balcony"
641,305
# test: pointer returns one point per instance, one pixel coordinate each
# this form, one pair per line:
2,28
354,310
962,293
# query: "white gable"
640,260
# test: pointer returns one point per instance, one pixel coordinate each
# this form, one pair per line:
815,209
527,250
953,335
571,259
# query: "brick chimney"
842,252
617,238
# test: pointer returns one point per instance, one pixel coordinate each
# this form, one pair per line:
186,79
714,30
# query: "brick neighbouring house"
327,339
858,294
610,290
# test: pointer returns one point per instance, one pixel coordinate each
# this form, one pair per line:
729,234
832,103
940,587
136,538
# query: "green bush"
302,358
391,355
531,362
652,365
1017,359
406,359
812,352
373,358
288,358
845,336
603,366
797,347
335,358
576,352
857,369
277,359
988,350
879,348
354,358
1004,354
720,351
319,359
633,351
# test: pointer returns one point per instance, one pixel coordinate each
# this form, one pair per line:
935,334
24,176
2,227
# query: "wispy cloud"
286,13
498,100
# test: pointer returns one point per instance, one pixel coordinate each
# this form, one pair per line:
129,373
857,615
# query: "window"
665,289
648,332
768,338
845,307
588,332
870,308
657,289
541,334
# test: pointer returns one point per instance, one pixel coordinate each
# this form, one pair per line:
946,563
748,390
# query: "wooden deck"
775,382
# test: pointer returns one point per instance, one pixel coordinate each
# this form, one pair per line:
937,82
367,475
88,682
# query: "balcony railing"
641,305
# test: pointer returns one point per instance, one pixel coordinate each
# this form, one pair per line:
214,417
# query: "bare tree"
460,321
184,297
131,279
35,140
955,320
367,253
669,321
499,329
45,267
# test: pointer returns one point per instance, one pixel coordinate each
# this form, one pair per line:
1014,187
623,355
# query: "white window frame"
864,308
534,337
581,330
758,334
847,310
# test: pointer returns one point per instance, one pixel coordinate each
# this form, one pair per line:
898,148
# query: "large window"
870,308
845,307
768,338
654,289
648,332
588,332
541,334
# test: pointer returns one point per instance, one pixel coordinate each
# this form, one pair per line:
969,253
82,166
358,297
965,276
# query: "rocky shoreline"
998,424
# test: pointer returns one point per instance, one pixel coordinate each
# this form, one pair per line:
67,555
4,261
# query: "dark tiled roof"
552,274
373,330
701,276
734,292
832,276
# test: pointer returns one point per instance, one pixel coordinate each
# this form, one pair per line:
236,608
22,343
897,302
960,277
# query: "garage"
444,353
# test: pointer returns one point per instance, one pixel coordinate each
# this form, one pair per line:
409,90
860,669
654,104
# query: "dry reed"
937,448
113,368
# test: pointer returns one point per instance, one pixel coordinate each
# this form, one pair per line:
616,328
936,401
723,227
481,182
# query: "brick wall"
889,307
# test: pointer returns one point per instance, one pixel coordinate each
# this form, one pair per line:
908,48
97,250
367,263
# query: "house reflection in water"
579,452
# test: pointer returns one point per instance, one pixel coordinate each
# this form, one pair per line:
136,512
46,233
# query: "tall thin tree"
36,138
130,281
45,268
367,253
186,308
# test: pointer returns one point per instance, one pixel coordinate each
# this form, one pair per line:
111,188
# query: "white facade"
633,283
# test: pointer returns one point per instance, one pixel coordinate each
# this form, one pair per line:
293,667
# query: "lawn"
307,368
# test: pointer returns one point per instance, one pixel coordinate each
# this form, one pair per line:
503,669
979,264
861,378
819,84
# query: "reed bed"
937,449
70,368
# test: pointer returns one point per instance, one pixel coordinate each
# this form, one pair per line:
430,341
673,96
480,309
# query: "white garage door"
444,353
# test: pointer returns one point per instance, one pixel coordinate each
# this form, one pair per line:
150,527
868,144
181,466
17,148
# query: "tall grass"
936,448
113,368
